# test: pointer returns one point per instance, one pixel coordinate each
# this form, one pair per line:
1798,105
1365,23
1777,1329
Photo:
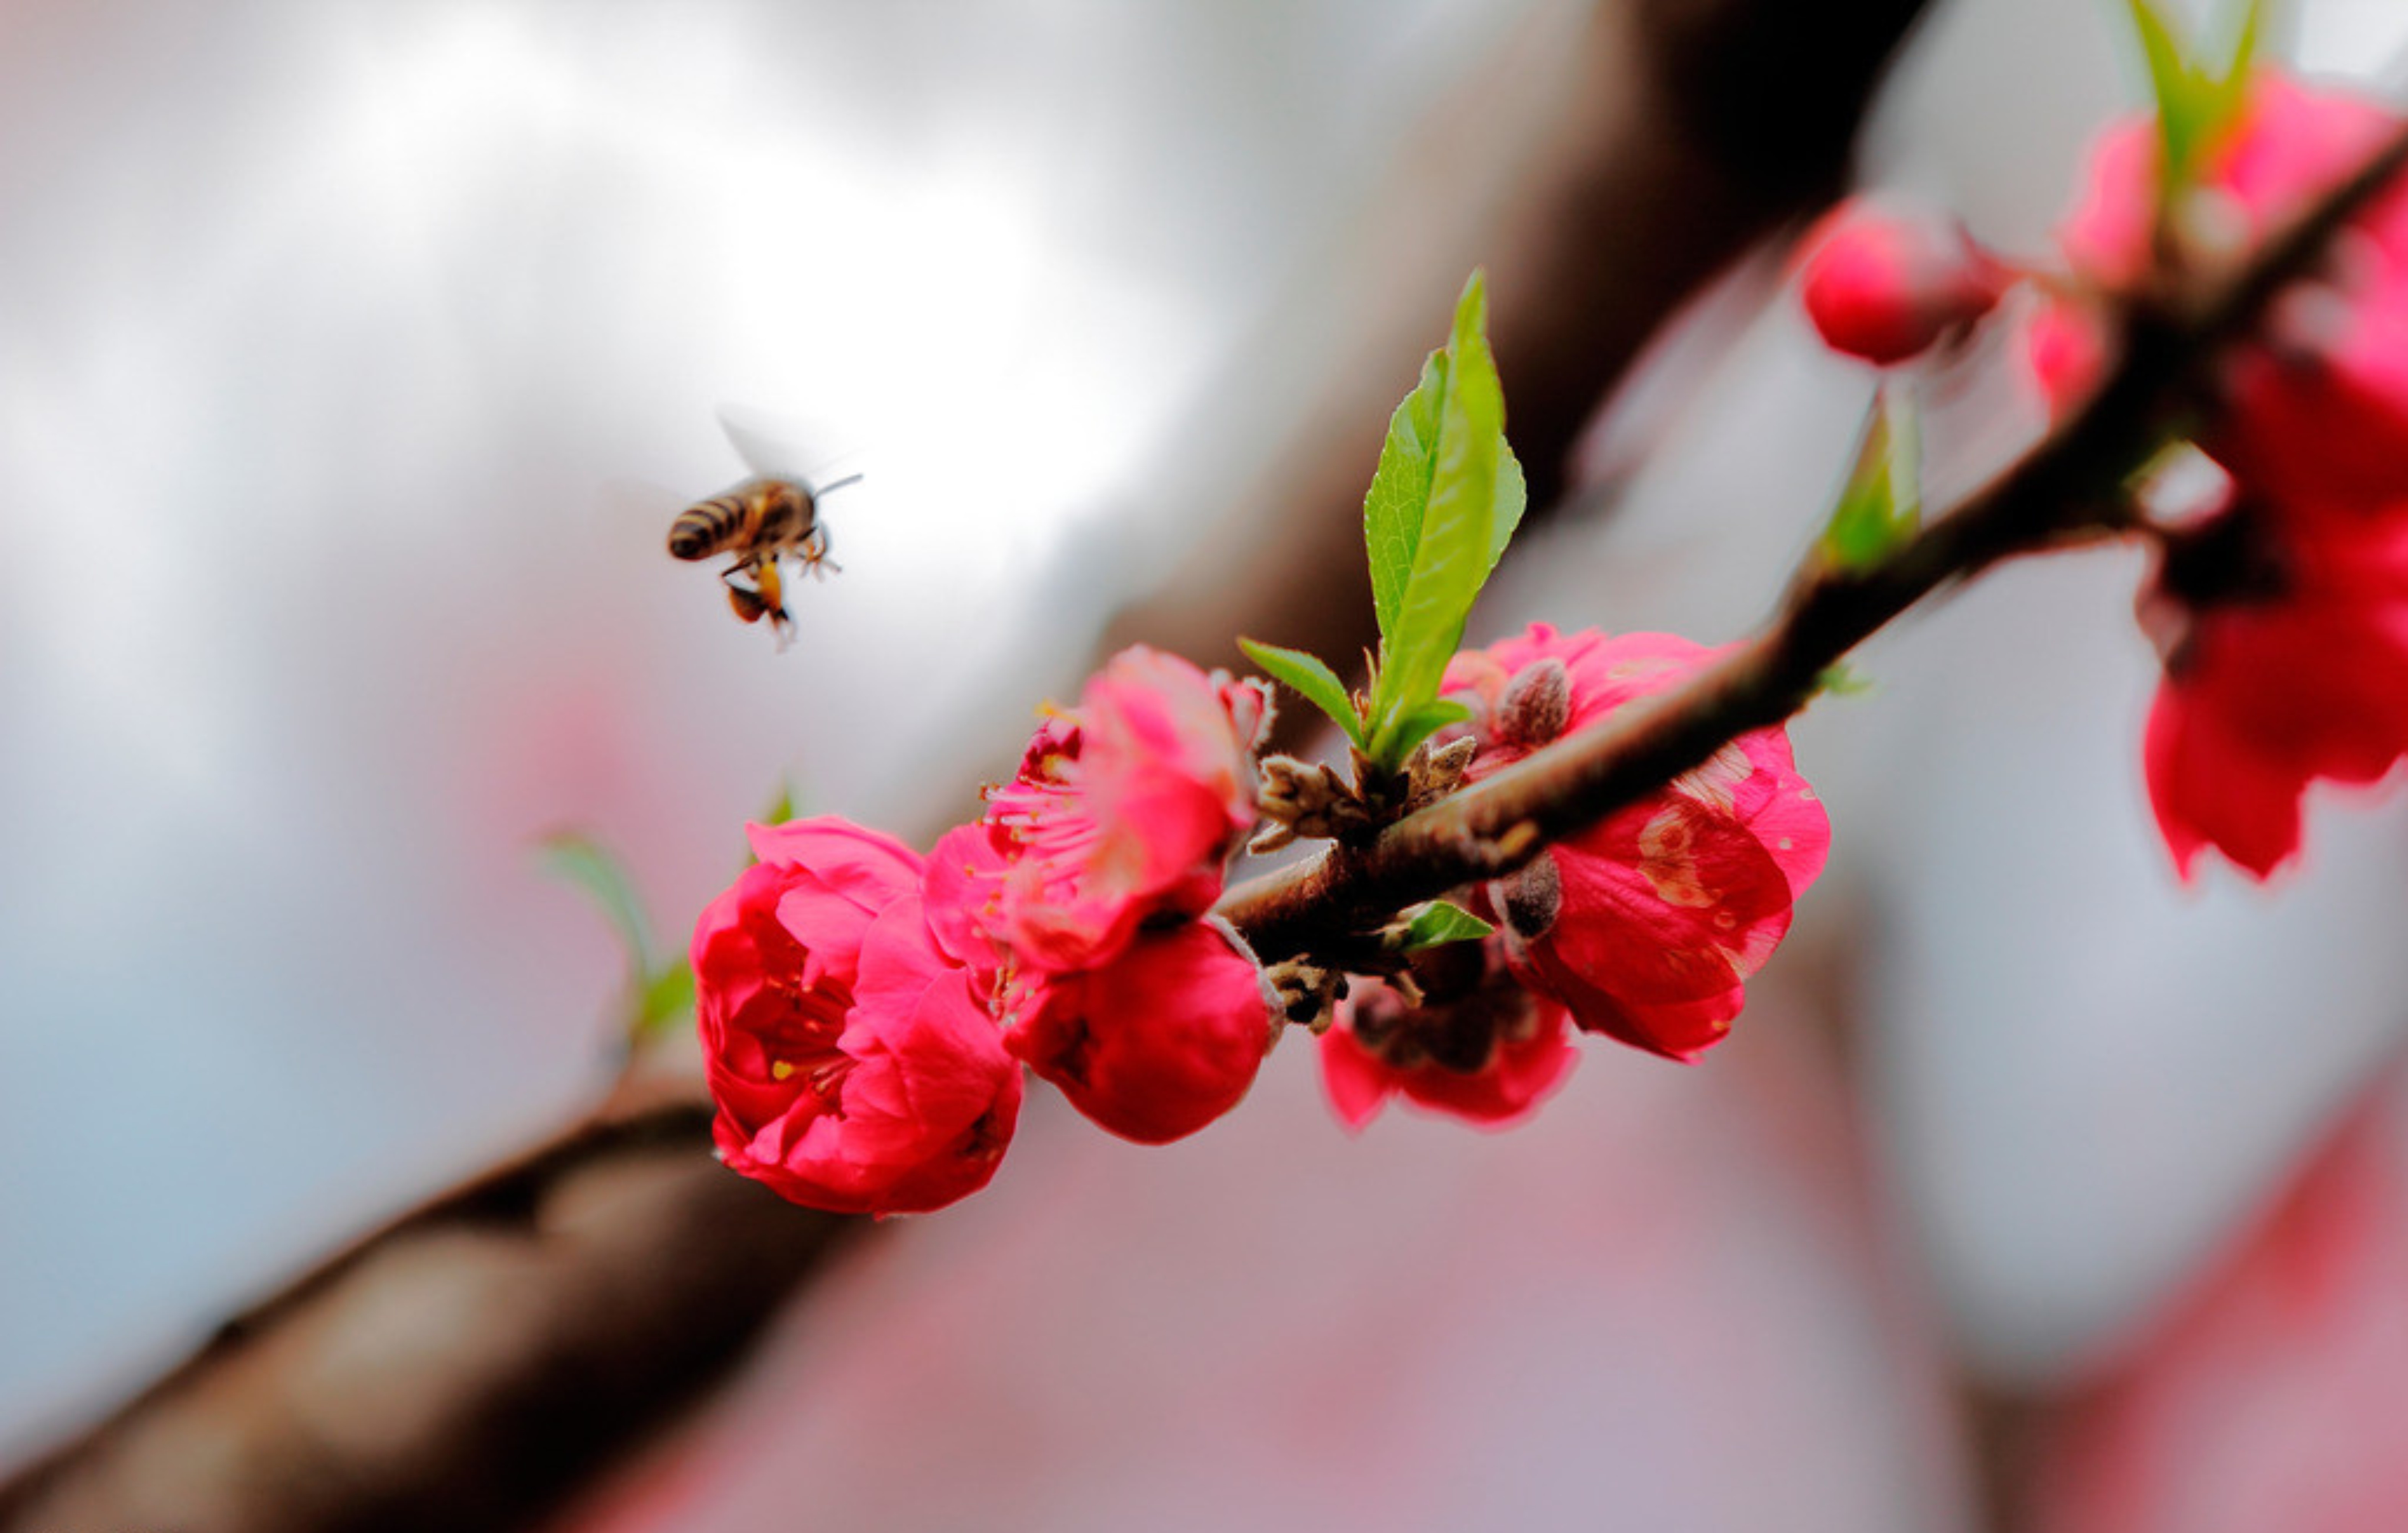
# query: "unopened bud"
1530,897
1436,771
1537,704
1885,287
1305,799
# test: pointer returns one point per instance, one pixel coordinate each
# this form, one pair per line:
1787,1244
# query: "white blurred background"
357,357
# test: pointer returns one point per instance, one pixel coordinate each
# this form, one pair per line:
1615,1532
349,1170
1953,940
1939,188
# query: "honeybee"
760,522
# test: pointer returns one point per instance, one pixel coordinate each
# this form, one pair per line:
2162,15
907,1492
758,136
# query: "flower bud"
1158,1042
1537,704
1885,287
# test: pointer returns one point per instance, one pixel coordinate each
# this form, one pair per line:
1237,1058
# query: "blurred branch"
1622,164
2068,486
468,1365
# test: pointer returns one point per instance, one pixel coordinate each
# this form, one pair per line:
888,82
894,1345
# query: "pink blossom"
1489,1058
855,1068
2286,644
1157,1041
1886,284
2319,408
1124,809
1647,924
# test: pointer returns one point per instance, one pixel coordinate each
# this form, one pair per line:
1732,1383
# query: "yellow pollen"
781,1069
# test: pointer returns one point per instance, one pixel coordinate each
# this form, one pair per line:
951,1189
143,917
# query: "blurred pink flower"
2285,646
2319,408
855,1068
1125,809
1886,285
1647,924
2275,1394
1488,1058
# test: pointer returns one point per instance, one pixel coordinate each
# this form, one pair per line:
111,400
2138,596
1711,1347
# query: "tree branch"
467,1364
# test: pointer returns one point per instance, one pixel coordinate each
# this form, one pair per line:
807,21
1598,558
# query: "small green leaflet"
657,993
1839,679
579,859
1316,682
1882,503
2196,103
1437,923
1443,503
1424,721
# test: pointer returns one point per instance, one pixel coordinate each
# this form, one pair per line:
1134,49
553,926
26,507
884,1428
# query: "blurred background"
358,356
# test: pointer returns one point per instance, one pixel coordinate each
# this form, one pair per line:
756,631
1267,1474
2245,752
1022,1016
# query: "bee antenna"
848,479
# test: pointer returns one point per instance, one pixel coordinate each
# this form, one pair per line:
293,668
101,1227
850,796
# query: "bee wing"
812,453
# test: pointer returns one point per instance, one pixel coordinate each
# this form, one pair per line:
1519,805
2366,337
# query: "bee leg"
814,554
745,599
772,597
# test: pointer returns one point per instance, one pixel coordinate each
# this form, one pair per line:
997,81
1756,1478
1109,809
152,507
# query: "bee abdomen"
702,530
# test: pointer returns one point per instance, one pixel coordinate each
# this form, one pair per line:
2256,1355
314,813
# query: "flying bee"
759,522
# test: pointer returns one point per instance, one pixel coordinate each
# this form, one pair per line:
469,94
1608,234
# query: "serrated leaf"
666,999
584,862
1455,544
1424,721
1437,923
1310,679
1882,503
1400,486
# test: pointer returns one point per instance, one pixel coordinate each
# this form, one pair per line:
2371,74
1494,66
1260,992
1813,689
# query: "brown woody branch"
467,1364
2071,481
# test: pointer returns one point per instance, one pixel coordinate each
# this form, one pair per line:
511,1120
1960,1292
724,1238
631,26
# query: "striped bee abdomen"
704,528
760,515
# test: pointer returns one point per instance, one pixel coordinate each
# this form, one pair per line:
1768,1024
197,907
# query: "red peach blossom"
1489,1058
1125,809
1886,284
854,1066
1157,1041
1647,924
2319,408
2286,662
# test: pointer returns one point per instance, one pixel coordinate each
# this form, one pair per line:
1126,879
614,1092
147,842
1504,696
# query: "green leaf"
781,808
1882,503
1453,541
1839,679
1400,488
1310,679
1437,923
2196,105
1513,496
577,857
666,1000
2175,84
2227,95
1424,721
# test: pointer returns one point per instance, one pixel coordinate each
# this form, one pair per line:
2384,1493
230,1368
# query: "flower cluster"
1644,927
2281,611
866,1014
